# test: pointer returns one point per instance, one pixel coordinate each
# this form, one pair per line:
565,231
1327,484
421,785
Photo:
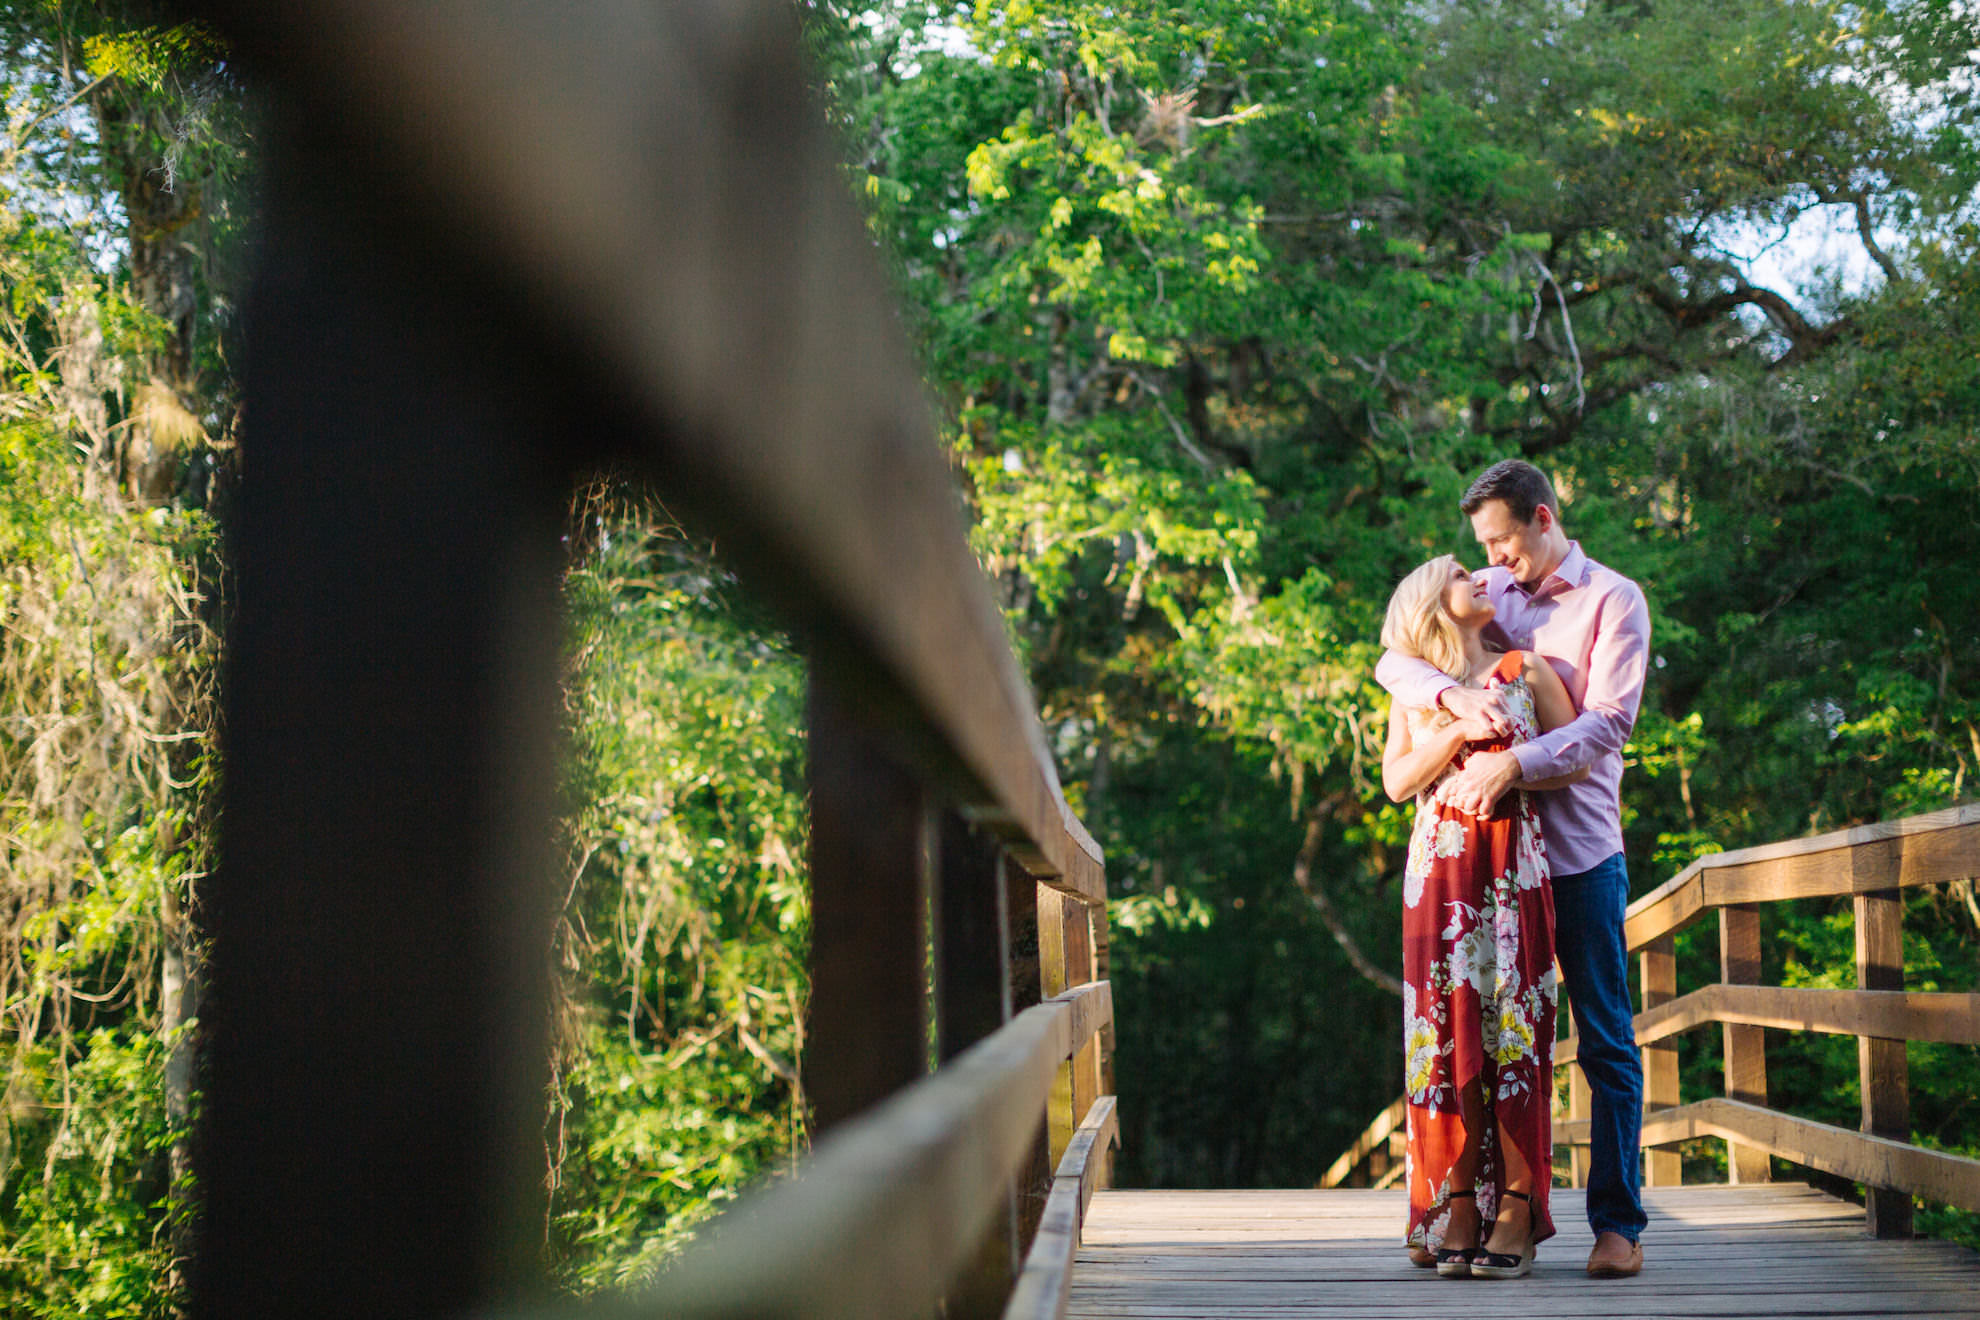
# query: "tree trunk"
159,205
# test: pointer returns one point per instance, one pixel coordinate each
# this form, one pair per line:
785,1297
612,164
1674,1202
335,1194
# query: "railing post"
1055,971
972,1000
1065,956
376,1060
1661,1167
1579,1109
1034,1179
972,938
1103,971
1079,971
1745,1046
867,1035
1882,1070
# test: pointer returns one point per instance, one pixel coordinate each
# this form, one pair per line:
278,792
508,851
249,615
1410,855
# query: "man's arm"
1410,680
1616,671
1415,682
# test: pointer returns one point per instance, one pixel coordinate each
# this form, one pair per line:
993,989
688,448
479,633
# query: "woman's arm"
1554,707
1408,767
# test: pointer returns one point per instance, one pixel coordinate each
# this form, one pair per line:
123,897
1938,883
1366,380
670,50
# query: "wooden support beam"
1034,1176
1057,965
972,937
375,1046
1661,1168
1103,962
1079,971
1952,1019
1882,1069
972,1001
1744,1046
870,855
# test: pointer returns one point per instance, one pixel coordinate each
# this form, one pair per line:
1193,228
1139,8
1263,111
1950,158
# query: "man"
1591,624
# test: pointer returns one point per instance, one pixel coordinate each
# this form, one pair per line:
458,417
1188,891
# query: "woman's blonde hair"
1418,624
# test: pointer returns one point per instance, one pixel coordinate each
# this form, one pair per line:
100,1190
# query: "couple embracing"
1513,693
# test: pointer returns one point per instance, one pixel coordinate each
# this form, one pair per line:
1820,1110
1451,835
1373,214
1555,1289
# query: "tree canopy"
1227,301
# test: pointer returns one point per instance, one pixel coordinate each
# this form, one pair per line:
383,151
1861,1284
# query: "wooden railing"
504,243
1872,865
1379,1156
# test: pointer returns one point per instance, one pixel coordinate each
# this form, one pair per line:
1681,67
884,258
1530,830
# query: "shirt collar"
1571,572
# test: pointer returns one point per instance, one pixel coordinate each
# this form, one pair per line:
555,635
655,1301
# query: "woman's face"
1465,600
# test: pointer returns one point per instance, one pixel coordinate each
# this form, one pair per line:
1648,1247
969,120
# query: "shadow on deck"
1779,1249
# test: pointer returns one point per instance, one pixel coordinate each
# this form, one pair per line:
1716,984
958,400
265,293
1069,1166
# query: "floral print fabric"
1479,985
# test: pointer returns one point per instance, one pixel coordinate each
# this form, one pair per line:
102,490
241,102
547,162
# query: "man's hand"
1477,788
1484,707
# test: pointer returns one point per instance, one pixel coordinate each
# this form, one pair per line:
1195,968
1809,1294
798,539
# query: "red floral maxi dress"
1479,984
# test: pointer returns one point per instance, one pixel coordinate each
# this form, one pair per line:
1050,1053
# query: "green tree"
684,939
123,145
1226,302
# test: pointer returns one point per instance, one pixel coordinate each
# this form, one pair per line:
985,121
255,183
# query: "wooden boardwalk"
1778,1249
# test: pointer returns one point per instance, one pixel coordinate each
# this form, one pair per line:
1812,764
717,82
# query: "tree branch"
1866,228
15,143
1203,460
1302,872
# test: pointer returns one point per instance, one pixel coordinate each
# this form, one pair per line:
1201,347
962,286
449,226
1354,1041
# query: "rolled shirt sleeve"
1616,667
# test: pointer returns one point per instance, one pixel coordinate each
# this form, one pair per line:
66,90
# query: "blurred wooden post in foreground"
507,242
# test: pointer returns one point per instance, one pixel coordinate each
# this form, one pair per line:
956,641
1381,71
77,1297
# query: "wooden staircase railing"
1873,865
505,243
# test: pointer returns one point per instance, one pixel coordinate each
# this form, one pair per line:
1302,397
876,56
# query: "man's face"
1520,547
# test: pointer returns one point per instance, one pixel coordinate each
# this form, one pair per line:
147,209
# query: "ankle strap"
1510,1192
1467,1192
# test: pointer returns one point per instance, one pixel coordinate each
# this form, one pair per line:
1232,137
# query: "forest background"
1221,302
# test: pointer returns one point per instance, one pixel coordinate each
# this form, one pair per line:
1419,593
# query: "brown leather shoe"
1614,1257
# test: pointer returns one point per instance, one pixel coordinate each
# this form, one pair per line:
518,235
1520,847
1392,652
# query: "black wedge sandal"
1455,1262
1501,1265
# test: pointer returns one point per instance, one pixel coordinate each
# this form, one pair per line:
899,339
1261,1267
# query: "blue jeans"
1588,940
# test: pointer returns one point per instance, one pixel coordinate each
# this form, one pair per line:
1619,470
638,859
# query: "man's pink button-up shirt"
1591,624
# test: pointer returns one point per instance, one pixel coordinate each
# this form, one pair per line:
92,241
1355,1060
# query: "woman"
1478,948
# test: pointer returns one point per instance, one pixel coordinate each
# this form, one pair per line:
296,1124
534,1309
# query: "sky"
1822,242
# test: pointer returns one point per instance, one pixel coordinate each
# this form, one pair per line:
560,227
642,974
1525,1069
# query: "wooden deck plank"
1767,1250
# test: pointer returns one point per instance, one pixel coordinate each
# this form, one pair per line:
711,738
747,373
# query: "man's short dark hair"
1522,486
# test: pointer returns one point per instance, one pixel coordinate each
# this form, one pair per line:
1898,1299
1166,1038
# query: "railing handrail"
889,1205
1045,1283
1931,848
1910,1015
